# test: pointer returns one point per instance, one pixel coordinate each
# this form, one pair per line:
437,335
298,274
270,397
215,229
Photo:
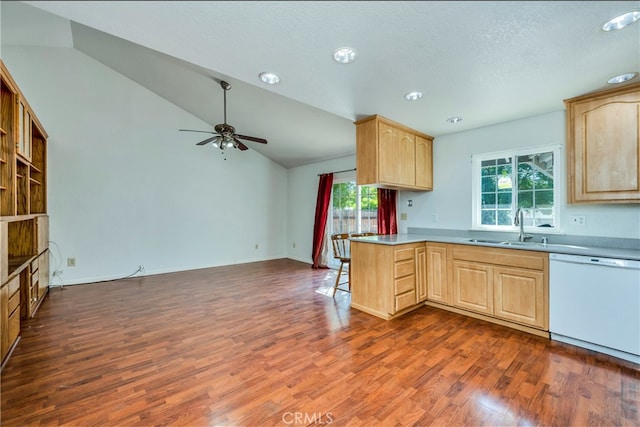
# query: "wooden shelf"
16,264
24,224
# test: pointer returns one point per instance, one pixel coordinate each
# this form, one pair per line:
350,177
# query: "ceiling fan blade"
191,130
240,145
207,140
251,138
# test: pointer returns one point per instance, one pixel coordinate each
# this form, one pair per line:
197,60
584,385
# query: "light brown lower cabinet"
387,280
421,273
35,283
20,297
473,286
507,286
438,273
9,315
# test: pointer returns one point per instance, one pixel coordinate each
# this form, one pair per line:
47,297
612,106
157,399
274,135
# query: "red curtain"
387,211
322,211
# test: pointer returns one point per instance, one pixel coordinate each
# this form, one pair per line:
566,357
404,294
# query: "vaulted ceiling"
486,62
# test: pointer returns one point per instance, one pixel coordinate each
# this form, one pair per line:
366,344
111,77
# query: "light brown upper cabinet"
603,146
392,155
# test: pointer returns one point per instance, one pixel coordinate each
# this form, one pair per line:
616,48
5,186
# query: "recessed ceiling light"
454,119
269,78
345,55
621,21
413,96
621,78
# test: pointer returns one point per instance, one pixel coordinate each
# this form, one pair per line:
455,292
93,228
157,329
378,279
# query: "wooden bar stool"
342,252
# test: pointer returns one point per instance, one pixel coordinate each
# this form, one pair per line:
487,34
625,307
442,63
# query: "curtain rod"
346,170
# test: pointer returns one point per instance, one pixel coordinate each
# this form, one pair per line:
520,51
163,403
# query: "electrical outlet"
579,220
403,216
71,262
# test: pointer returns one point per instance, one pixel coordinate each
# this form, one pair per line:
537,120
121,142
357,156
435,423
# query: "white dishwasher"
594,303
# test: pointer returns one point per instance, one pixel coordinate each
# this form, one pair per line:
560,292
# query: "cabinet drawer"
403,254
34,265
13,327
404,268
405,284
405,300
502,257
13,285
14,302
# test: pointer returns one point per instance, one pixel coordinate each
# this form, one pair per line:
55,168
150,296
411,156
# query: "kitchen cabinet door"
437,277
473,286
421,274
424,163
603,146
518,295
397,156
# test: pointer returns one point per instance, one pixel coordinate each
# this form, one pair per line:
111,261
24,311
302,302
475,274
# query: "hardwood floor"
259,344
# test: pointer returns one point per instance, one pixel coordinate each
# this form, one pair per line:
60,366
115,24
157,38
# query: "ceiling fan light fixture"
413,96
621,21
621,78
269,78
345,55
454,119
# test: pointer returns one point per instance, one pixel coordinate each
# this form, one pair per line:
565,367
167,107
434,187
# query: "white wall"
451,198
126,188
302,184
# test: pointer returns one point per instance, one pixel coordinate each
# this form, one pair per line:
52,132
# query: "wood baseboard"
523,328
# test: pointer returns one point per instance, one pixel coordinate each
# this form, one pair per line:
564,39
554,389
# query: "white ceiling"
487,62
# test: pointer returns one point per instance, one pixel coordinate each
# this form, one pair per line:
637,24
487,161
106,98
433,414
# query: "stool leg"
335,287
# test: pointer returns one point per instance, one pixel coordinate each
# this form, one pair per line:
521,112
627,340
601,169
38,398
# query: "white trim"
558,187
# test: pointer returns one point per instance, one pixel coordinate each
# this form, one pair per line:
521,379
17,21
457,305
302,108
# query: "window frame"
349,177
476,191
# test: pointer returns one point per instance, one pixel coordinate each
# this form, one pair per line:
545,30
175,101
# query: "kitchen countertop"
490,241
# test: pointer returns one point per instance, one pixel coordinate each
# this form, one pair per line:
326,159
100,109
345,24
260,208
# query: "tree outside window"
510,180
354,208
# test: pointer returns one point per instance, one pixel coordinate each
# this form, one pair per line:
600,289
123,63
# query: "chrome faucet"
519,220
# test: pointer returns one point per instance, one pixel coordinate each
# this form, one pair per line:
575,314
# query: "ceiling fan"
225,135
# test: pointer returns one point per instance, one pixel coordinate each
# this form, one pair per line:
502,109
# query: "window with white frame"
354,208
508,180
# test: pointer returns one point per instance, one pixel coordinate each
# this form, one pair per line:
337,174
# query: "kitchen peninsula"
490,276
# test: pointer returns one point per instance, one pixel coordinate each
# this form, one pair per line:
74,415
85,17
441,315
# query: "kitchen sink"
502,242
516,243
495,242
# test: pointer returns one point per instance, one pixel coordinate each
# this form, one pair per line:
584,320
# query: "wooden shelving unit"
24,224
